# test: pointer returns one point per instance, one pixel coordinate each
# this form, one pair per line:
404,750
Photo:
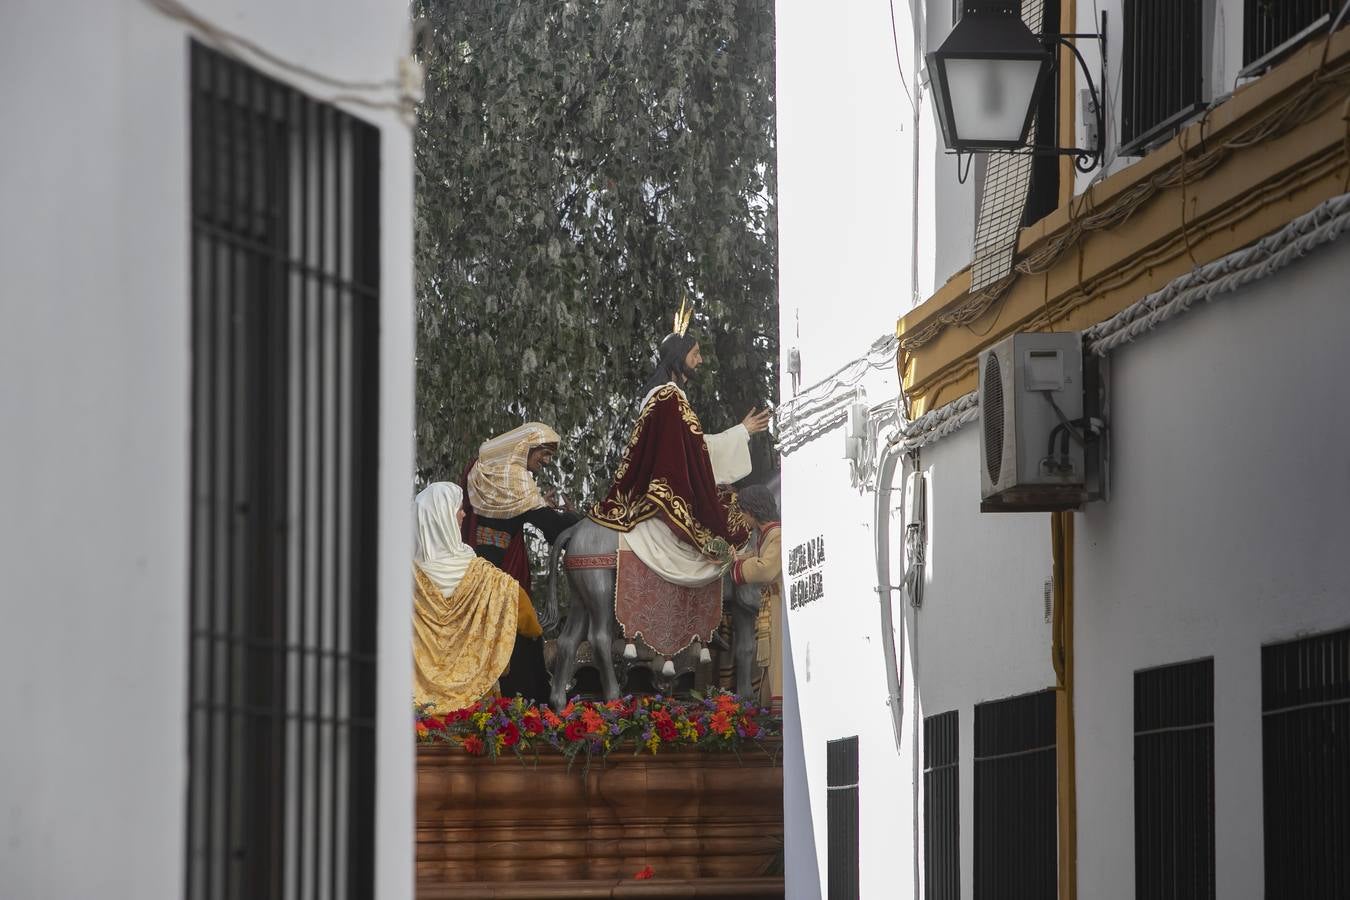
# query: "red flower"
473,745
647,872
552,718
592,720
574,731
533,723
510,735
433,723
661,717
666,730
720,723
699,728
749,727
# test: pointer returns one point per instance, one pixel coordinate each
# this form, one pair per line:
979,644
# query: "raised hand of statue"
757,420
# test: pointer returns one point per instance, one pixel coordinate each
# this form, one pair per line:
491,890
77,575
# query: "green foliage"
580,165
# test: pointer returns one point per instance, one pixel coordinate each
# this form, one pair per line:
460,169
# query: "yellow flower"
653,742
480,719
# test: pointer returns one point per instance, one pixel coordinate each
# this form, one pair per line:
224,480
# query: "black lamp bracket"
1085,160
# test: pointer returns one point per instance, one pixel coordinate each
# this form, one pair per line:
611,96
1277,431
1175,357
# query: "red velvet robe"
666,472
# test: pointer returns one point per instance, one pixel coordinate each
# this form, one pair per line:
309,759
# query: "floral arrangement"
716,721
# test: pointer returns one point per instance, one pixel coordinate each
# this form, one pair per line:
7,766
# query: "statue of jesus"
666,496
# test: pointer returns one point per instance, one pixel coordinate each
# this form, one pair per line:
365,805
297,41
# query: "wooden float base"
766,888
708,824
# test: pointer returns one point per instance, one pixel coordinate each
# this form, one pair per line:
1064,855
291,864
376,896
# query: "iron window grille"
1305,703
282,598
1174,782
841,817
1267,25
1015,796
941,808
1163,82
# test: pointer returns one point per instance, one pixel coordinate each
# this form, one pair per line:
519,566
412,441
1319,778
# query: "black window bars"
941,807
282,666
1269,24
1174,782
841,818
1305,704
1015,790
1161,70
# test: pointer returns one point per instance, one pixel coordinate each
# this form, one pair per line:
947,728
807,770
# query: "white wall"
841,687
981,633
1226,530
94,375
847,248
844,179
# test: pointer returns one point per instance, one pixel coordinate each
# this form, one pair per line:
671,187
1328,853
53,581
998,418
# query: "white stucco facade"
94,397
1225,531
1222,532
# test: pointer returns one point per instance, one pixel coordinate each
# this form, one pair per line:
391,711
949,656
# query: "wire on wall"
370,94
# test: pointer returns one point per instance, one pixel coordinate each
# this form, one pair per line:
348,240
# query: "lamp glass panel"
990,98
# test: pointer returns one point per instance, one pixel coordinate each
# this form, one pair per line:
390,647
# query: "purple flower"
614,729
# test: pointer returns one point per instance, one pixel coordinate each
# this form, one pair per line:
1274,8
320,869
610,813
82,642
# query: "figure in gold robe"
762,564
466,611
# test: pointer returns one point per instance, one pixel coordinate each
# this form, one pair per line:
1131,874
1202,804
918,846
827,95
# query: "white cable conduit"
1225,275
1314,229
893,454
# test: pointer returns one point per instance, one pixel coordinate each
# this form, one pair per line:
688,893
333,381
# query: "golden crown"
683,315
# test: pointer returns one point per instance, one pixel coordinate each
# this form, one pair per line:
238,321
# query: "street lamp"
987,78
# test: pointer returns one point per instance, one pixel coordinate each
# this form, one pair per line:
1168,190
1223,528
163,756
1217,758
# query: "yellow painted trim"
1251,193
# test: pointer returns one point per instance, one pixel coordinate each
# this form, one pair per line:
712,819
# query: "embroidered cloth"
667,617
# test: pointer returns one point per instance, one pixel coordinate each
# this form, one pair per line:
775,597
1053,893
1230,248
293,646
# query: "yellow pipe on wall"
1061,650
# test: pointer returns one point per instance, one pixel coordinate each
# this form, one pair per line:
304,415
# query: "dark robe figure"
501,540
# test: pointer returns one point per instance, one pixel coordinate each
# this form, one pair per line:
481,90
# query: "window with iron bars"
841,815
282,597
1015,791
1174,782
1269,24
1161,70
941,808
1305,705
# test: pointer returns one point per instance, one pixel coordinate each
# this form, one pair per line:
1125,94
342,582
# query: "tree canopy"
580,166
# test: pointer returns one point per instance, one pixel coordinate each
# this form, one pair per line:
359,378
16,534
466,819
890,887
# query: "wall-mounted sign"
804,569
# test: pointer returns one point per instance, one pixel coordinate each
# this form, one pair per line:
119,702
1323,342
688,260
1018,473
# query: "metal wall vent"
991,414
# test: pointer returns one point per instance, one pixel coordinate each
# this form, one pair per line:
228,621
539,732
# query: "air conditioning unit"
1041,446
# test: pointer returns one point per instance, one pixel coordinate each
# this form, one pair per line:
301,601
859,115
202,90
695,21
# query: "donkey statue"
591,616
